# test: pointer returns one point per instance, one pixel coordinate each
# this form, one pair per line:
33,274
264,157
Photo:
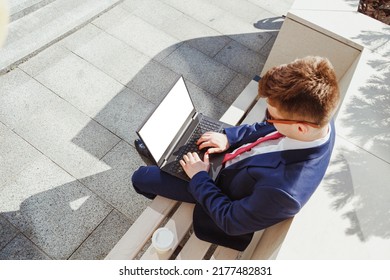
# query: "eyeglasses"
272,120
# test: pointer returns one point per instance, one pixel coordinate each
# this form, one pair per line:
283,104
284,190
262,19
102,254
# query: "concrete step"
39,24
21,8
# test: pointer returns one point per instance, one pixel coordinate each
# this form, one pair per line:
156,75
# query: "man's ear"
302,128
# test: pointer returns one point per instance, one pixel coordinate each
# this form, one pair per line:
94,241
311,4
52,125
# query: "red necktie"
250,146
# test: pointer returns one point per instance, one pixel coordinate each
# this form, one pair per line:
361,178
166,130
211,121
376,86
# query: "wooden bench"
163,212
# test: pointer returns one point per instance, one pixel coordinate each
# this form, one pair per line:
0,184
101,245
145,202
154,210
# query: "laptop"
173,129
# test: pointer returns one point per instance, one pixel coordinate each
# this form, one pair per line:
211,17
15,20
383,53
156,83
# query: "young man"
270,180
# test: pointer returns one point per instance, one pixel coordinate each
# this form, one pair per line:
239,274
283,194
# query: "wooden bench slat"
179,224
247,254
224,253
142,229
194,249
271,241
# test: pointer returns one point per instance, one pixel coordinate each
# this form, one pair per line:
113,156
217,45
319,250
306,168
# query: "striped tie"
246,148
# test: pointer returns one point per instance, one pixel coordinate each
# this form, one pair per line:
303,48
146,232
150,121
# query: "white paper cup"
162,239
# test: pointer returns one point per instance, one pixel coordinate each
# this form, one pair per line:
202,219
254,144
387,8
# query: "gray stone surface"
51,208
205,102
153,81
52,125
124,114
245,11
234,88
21,8
80,83
104,238
20,248
7,232
241,59
15,155
142,35
68,114
199,69
114,185
109,54
41,28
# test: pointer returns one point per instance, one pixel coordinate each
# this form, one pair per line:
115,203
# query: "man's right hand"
215,141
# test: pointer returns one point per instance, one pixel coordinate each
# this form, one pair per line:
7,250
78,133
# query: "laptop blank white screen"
162,126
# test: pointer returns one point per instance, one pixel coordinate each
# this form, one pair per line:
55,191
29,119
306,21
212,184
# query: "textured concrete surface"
80,87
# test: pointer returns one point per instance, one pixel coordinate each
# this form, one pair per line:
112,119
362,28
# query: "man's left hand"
192,164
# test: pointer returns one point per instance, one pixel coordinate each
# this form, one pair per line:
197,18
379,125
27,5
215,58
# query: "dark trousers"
151,181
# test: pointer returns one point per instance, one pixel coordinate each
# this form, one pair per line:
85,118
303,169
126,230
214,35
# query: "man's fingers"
205,137
196,156
205,145
214,150
191,157
206,158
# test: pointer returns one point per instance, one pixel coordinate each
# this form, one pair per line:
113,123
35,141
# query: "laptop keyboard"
203,126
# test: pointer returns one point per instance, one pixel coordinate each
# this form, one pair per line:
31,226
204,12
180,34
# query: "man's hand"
215,141
192,164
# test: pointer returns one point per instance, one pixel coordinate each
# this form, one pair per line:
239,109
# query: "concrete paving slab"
278,9
112,56
15,155
78,82
199,69
44,60
202,11
246,10
34,32
21,8
180,26
153,81
113,17
52,125
18,5
205,102
154,12
7,232
114,185
210,46
218,17
255,41
223,21
104,238
124,114
142,36
241,59
20,248
234,88
48,206
266,49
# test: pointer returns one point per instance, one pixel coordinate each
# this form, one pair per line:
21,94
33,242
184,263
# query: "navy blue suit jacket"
258,191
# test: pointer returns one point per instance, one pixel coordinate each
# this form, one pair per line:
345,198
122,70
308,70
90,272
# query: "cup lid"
162,239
